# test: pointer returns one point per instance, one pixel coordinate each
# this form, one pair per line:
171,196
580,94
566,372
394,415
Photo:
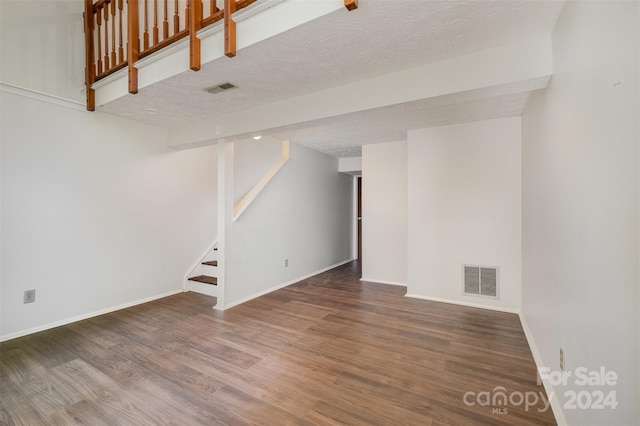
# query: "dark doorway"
359,218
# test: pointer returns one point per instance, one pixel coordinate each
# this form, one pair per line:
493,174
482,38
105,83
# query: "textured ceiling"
343,136
380,37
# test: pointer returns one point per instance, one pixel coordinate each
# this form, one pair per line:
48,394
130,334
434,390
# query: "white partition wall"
384,212
464,208
299,224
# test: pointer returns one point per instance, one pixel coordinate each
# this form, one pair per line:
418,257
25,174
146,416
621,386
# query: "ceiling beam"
500,67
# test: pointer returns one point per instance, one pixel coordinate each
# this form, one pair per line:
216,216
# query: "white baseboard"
86,316
470,305
383,282
201,288
556,406
279,286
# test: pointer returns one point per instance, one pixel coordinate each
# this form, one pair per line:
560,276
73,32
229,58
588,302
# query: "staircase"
204,277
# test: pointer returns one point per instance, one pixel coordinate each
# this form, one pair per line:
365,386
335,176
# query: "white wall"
252,160
352,165
42,46
96,212
580,203
304,215
465,207
384,212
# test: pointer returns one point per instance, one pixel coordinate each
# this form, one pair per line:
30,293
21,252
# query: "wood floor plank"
16,408
171,369
324,413
260,412
327,350
81,413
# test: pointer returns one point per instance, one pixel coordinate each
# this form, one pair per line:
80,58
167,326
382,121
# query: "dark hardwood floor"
327,350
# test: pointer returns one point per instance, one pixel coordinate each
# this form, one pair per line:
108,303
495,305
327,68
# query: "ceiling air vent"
220,88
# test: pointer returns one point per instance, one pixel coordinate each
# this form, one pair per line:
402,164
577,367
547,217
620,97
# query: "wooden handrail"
104,29
168,42
219,14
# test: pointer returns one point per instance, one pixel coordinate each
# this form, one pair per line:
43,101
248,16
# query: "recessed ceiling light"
257,138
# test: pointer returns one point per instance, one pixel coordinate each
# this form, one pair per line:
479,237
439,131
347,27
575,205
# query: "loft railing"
154,24
120,32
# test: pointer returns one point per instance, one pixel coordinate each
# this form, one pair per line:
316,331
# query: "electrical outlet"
29,296
562,359
286,263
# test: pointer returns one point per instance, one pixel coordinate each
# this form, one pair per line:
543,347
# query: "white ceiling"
380,37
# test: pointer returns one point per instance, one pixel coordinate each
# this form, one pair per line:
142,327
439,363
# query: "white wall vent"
480,281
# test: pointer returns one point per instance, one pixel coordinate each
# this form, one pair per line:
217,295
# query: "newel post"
351,4
195,24
90,68
229,28
133,43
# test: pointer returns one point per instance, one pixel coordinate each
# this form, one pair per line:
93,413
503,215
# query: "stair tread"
205,279
211,263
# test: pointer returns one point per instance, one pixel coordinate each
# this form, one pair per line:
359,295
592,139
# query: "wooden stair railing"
106,33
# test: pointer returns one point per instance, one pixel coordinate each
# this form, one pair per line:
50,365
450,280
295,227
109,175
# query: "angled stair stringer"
258,187
203,277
